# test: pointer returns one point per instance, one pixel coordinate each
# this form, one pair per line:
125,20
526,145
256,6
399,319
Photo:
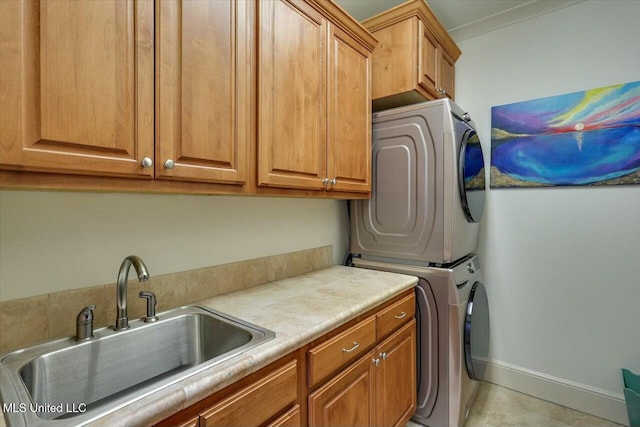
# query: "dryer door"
471,176
476,332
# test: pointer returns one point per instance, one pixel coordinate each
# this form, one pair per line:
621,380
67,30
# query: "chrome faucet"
122,320
151,306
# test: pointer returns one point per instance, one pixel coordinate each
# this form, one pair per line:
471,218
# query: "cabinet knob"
376,362
334,181
146,162
325,181
169,164
383,356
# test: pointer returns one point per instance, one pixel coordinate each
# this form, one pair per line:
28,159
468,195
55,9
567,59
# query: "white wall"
53,241
561,265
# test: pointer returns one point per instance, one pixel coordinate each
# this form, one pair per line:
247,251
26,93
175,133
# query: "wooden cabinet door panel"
446,76
77,86
348,399
349,115
203,90
292,97
394,59
396,377
428,49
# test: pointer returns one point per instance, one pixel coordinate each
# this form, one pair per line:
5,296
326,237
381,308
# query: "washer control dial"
470,268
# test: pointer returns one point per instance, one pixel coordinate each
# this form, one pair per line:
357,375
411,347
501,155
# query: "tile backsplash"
27,321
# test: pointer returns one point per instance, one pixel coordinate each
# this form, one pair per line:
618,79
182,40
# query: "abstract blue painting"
582,138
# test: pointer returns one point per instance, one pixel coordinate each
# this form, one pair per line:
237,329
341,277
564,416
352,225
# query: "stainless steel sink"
68,382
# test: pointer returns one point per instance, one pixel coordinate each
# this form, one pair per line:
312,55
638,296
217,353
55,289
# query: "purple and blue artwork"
582,138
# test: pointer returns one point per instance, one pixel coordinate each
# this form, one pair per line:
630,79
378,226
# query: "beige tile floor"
497,406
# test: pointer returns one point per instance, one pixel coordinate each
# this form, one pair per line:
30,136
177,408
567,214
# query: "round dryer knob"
466,117
470,268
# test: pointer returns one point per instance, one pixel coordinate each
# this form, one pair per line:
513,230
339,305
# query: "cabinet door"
428,51
77,86
396,377
394,59
446,76
346,400
292,98
203,90
349,114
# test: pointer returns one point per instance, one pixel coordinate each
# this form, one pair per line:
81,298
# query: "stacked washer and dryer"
422,219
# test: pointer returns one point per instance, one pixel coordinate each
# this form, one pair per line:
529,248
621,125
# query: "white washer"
453,337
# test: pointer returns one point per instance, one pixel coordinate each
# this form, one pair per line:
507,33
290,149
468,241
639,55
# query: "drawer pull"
401,315
355,345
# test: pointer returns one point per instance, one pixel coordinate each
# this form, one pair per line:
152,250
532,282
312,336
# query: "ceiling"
464,19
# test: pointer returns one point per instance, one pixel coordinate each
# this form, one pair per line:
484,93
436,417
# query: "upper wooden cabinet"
415,60
349,114
236,96
292,109
77,86
78,78
314,113
203,90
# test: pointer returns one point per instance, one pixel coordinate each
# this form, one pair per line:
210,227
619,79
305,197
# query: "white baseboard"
590,400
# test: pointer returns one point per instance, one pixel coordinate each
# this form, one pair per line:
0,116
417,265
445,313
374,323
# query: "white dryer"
453,337
428,183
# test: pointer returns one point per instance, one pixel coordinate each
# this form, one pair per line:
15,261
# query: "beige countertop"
298,309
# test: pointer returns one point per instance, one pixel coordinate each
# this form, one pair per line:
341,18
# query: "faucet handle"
151,306
84,323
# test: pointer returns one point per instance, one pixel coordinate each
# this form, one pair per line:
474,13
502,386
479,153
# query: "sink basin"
78,382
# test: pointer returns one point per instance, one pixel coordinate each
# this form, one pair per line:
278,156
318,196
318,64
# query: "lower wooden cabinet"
348,399
377,390
361,374
396,377
268,397
265,398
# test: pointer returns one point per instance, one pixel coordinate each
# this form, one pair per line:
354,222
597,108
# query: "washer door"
471,176
476,332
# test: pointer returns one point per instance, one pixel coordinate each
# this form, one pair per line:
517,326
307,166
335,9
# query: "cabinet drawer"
340,350
395,315
257,403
